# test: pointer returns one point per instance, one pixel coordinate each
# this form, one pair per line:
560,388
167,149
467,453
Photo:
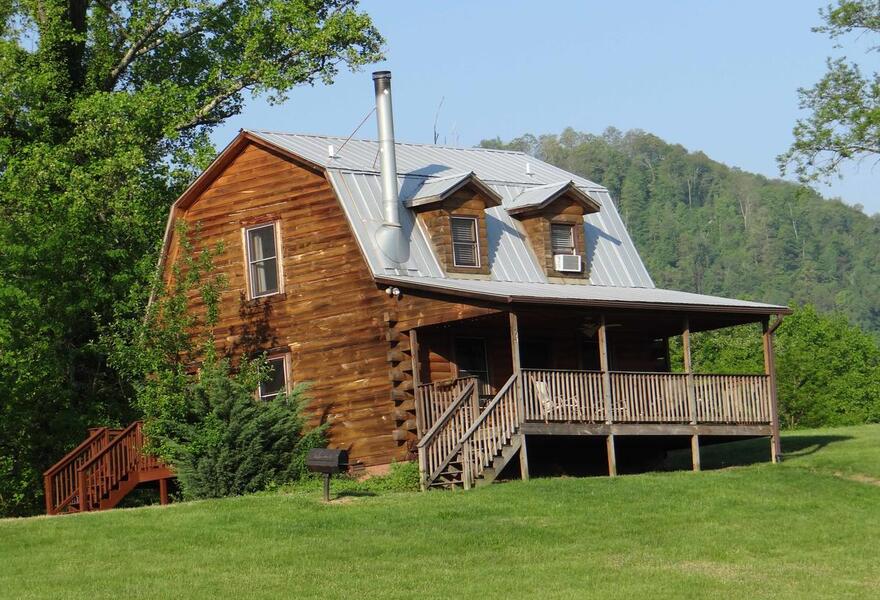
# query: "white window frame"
571,239
248,263
476,242
285,362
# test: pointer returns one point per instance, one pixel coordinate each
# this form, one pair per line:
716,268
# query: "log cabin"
461,307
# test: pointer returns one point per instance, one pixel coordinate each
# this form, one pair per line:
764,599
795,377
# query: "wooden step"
491,473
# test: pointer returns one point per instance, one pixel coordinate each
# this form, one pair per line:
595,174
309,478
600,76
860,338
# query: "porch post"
414,355
695,452
520,398
606,392
612,455
688,369
770,371
603,365
163,491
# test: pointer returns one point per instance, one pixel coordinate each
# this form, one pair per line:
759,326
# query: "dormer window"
553,218
562,238
452,212
465,242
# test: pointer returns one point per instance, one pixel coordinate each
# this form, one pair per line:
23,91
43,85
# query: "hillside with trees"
709,228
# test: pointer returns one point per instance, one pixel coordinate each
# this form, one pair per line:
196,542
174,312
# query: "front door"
471,361
536,354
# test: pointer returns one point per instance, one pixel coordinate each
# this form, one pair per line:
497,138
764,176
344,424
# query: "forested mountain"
705,227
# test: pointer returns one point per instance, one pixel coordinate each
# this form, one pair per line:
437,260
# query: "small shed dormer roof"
538,197
438,189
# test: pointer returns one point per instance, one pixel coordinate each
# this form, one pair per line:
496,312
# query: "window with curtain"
562,238
277,381
465,248
262,255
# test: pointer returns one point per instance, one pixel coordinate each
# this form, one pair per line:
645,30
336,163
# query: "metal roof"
425,160
617,275
353,172
434,189
540,196
584,294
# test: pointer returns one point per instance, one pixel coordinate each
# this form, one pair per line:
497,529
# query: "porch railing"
565,396
494,428
61,481
639,397
436,446
118,460
435,398
732,398
650,398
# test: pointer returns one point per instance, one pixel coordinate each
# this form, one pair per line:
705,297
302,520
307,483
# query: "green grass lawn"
806,528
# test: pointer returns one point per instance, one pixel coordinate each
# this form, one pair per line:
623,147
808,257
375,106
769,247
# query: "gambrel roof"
519,182
354,174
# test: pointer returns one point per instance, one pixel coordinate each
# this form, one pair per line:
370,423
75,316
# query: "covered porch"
537,371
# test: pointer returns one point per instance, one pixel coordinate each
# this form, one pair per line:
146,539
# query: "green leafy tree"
105,109
844,106
828,371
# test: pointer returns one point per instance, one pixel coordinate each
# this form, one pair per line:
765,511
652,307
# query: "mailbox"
327,461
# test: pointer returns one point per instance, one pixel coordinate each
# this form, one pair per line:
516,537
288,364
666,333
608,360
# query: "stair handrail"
496,425
469,474
435,444
447,414
60,482
103,472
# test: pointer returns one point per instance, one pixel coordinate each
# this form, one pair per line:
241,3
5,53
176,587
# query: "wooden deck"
462,441
623,398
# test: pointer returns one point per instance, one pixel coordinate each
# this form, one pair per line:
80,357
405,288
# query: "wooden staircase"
467,447
100,472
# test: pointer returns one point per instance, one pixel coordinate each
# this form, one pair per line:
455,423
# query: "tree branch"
132,52
200,116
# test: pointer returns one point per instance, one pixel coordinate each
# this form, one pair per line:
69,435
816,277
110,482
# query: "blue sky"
714,76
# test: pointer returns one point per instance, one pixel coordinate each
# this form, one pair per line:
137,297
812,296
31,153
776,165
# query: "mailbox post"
327,461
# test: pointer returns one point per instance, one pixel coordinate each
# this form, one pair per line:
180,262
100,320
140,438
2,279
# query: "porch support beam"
770,371
520,404
656,429
523,460
695,452
612,455
163,492
414,355
606,371
689,369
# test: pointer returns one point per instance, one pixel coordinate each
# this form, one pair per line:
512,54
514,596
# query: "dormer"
452,210
553,217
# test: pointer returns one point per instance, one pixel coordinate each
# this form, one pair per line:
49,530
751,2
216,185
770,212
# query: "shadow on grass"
803,445
355,494
750,452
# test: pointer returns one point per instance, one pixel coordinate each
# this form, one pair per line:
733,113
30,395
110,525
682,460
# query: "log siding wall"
343,333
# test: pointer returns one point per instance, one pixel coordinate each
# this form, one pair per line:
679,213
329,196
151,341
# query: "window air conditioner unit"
568,263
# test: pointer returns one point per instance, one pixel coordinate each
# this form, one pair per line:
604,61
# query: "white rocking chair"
551,404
